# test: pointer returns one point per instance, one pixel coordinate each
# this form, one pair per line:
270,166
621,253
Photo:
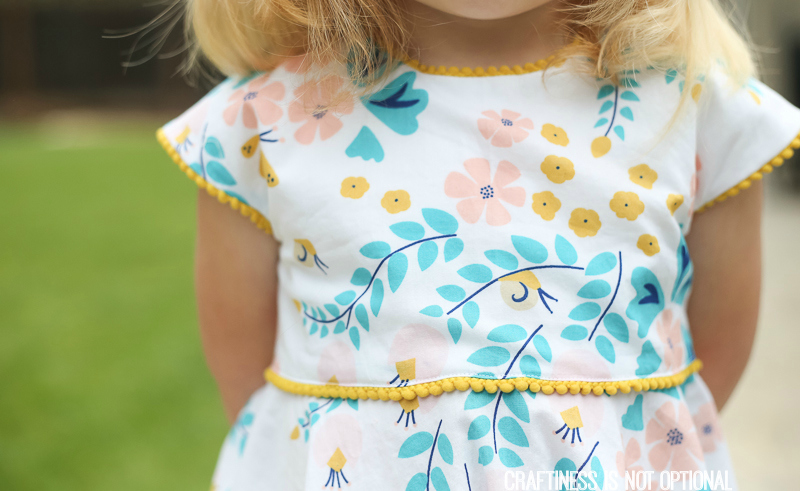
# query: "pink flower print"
668,326
676,439
708,428
257,103
484,192
337,446
505,128
297,64
313,108
337,364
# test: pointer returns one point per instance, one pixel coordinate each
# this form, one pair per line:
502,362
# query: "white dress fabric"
457,252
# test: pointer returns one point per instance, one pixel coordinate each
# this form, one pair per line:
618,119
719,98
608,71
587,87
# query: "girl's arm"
236,283
725,246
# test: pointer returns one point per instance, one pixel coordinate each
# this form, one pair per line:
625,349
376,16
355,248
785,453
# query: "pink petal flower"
505,174
525,123
489,127
231,112
514,196
306,133
496,214
457,185
659,456
517,133
504,130
480,170
249,117
471,209
329,125
511,115
502,138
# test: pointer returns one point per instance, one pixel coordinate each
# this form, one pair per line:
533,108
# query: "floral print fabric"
493,228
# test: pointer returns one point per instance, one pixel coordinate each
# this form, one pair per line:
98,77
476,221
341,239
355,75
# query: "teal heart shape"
366,146
648,361
398,104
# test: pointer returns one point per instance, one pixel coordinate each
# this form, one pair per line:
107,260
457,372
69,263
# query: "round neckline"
491,71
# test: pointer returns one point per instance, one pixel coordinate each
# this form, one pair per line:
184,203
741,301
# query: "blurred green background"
103,385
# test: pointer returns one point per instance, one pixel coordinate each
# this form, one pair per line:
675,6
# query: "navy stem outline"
202,150
614,114
430,458
500,392
349,309
487,285
586,461
308,422
616,290
467,472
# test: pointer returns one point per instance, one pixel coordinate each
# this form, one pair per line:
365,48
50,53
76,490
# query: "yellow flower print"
556,135
558,169
601,146
354,187
648,244
627,205
585,223
396,201
545,204
267,172
643,175
674,201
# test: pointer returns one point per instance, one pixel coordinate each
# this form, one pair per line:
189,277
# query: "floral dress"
483,273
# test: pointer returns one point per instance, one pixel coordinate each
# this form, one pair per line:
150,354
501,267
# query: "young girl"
459,272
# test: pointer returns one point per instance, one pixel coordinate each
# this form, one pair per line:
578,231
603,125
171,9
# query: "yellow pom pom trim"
462,384
480,71
248,211
778,161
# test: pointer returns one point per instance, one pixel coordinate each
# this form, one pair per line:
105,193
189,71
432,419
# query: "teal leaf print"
353,403
648,361
408,230
339,327
418,483
427,253
438,480
629,83
606,106
605,348
214,148
671,75
336,402
629,96
477,400
397,105
529,249
512,431
595,289
471,313
684,273
197,168
599,474
432,311
503,259
632,419
441,221
452,249
361,277
355,337
620,131
601,264
376,250
490,356
454,326
601,122
323,332
565,252
237,196
333,309
477,273
509,333
649,301
314,329
376,299
517,405
479,427
566,469
605,91
616,326
585,311
366,146
452,293
345,298
485,455
543,347
398,265
416,444
219,173
445,449
574,332
626,113
509,458
530,367
362,317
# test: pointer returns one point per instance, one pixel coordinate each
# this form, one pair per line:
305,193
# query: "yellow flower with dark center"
354,187
627,205
643,175
545,204
674,201
556,135
558,169
648,244
396,201
267,172
585,223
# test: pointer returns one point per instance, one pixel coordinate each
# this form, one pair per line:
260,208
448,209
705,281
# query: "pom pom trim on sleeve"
254,215
437,387
778,161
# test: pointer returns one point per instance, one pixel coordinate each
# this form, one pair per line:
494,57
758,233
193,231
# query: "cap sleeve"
742,134
217,144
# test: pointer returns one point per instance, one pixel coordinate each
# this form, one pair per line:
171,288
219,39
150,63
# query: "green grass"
103,380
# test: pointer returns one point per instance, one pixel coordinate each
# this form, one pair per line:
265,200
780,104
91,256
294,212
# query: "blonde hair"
612,36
